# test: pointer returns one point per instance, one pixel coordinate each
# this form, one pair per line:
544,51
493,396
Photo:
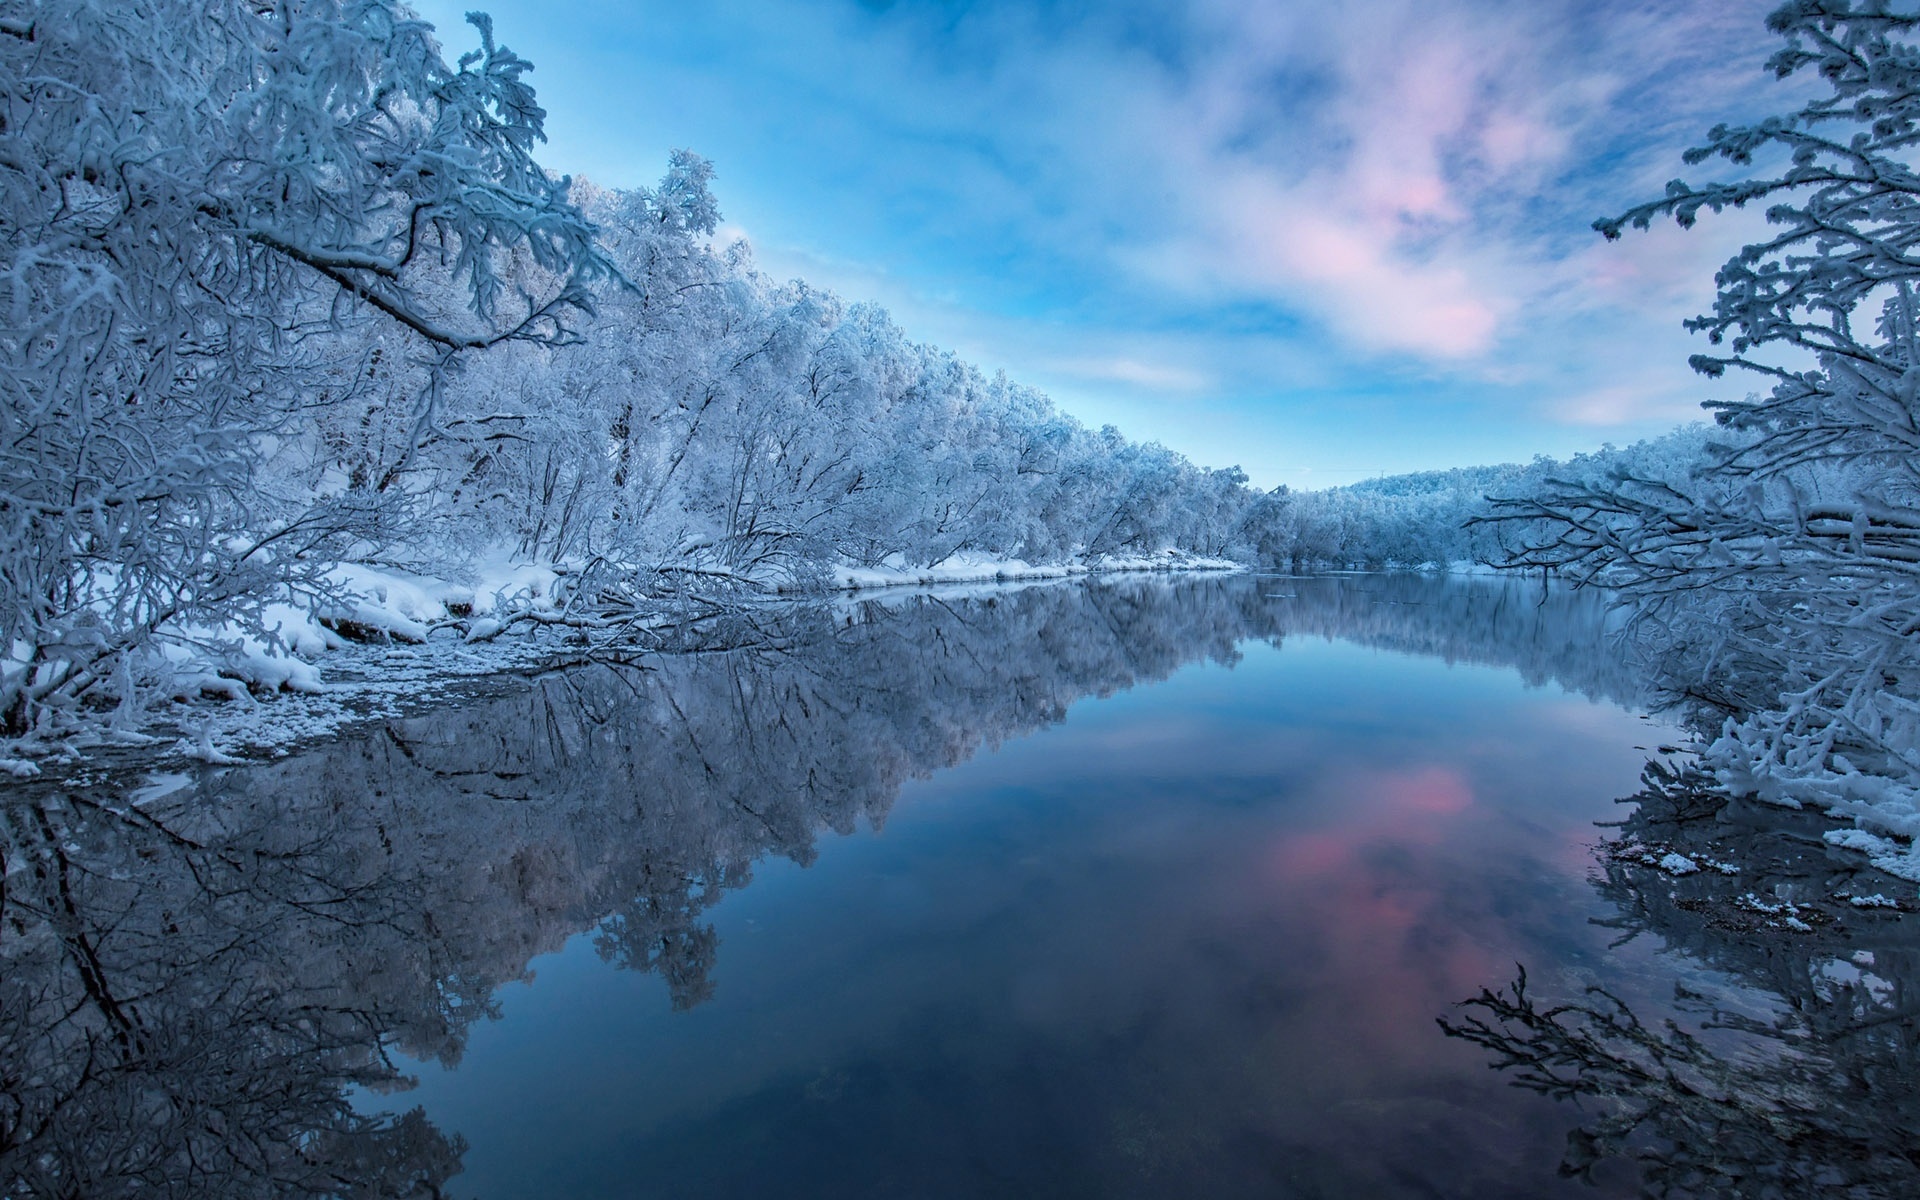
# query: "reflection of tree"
1821,1097
192,982
658,929
1558,634
1794,1115
159,1033
1845,967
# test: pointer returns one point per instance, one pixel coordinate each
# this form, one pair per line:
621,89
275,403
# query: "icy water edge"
1137,887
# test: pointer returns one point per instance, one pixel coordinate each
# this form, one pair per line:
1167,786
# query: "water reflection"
187,991
1813,1091
196,972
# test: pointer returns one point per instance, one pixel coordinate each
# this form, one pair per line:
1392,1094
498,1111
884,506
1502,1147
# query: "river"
1127,887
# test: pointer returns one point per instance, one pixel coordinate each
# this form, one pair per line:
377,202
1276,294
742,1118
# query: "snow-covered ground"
975,568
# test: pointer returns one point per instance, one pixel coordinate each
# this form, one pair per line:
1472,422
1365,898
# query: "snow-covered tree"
716,423
218,218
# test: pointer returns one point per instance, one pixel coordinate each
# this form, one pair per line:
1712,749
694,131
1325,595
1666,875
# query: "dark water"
1131,888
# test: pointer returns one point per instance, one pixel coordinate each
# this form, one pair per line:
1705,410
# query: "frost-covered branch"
1783,569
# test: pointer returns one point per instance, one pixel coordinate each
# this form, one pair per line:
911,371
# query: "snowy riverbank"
975,568
389,643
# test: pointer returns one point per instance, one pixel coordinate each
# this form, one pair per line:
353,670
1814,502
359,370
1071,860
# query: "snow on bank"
363,683
1883,804
379,643
361,603
403,607
1887,855
970,568
389,641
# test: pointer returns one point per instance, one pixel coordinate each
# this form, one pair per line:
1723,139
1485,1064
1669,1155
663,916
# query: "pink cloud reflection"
1378,893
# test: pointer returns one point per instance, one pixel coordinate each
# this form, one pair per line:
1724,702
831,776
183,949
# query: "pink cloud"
1400,202
1366,209
1366,914
1375,295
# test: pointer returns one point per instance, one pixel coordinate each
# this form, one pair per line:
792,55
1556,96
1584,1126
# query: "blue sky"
1319,240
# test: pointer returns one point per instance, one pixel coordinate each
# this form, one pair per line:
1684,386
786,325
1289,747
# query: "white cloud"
1157,376
1629,404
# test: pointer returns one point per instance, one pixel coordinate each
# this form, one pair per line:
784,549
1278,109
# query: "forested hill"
1440,518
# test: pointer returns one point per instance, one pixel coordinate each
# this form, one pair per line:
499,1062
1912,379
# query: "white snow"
980,568
1885,854
1678,864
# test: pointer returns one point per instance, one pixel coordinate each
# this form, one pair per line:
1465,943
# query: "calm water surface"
1132,888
